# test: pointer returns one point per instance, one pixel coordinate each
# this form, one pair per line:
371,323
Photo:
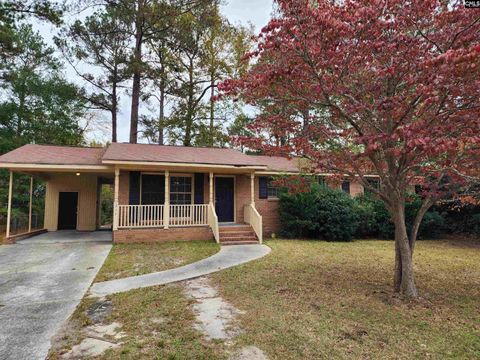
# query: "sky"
255,12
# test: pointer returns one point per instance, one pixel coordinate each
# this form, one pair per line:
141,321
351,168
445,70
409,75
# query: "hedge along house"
160,192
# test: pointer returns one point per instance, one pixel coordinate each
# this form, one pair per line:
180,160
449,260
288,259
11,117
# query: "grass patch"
311,300
158,323
137,259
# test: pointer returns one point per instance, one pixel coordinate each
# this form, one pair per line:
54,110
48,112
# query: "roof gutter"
55,167
183,165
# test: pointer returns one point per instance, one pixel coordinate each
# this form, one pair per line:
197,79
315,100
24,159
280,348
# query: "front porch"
170,205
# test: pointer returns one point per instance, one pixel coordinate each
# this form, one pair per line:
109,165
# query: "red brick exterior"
160,235
268,208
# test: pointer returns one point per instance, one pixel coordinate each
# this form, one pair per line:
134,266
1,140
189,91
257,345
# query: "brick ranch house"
213,193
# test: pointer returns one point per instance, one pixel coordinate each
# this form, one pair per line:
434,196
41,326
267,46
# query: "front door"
67,210
224,198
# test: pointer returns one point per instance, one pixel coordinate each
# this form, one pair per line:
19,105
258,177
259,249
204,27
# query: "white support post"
30,205
166,209
252,189
115,199
210,189
9,207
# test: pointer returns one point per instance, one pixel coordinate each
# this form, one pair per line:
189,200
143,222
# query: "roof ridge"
180,146
68,146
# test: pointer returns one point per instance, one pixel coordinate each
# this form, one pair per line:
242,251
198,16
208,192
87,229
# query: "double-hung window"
181,190
272,189
153,189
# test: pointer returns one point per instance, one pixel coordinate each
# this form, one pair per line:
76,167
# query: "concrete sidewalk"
228,256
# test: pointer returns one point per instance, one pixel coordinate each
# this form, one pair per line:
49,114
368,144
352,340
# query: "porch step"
237,234
243,242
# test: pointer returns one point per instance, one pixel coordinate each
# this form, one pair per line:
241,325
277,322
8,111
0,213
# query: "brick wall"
160,235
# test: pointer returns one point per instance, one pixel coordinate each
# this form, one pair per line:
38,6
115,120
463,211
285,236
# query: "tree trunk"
187,141
161,118
212,108
114,111
137,74
404,279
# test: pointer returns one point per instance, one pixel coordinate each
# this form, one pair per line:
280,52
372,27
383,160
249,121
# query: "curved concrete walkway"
228,256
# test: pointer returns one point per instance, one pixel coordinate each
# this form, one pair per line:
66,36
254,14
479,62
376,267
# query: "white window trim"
170,187
192,189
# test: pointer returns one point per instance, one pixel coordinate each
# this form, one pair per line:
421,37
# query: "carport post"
9,207
115,200
30,205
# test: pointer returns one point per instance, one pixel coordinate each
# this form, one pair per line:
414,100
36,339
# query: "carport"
73,179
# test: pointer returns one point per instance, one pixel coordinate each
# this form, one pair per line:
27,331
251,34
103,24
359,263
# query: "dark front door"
224,198
67,210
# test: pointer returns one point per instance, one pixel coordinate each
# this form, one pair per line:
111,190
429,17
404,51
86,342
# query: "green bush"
322,213
460,218
378,223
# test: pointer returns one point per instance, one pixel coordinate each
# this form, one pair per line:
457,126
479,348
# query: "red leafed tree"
389,87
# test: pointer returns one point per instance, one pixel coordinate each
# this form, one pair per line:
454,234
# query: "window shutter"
199,178
263,187
346,186
134,188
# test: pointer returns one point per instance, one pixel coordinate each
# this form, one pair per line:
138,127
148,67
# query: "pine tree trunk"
404,279
114,111
212,109
162,113
137,60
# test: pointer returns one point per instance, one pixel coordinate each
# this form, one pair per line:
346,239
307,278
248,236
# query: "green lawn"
309,300
137,259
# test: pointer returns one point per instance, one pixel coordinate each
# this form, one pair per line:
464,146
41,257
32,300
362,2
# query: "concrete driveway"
42,280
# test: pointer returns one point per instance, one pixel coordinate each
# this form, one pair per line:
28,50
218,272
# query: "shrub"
379,224
322,213
336,215
298,214
460,218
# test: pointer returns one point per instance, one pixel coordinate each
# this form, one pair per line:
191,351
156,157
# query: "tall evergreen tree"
101,42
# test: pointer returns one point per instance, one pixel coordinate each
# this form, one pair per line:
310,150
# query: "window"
153,189
181,190
346,186
322,181
272,189
375,183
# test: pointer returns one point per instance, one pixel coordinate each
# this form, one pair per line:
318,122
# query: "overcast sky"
256,12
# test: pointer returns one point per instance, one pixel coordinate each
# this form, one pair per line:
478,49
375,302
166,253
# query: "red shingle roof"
177,154
54,155
278,163
66,155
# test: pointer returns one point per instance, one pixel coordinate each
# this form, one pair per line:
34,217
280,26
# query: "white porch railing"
143,216
253,217
135,216
213,222
188,215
